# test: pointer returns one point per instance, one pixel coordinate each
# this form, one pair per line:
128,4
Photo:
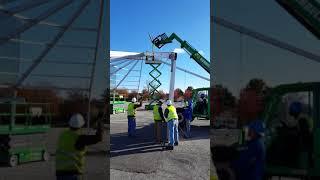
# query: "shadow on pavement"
144,141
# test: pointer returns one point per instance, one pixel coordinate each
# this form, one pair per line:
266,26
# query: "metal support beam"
55,88
121,68
125,75
53,42
140,75
95,59
60,76
267,39
48,61
28,25
47,44
184,70
23,7
116,64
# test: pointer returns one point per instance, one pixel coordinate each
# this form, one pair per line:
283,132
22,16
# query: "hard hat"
134,100
295,107
76,121
258,127
169,102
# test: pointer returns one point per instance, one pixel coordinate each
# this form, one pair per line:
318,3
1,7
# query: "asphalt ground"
140,158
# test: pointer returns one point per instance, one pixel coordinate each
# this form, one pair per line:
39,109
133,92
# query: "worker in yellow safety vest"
132,117
71,149
158,120
172,123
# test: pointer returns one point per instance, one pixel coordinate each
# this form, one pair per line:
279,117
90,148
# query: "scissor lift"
23,129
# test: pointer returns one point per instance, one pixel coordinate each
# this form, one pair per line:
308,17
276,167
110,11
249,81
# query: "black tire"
45,156
13,160
226,174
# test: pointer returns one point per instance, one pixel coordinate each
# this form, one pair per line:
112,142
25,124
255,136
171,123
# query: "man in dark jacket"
158,120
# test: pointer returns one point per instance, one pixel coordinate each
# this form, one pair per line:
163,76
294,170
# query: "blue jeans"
131,126
188,133
173,131
69,177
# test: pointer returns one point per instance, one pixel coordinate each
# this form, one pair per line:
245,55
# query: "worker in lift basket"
172,124
132,117
250,164
71,149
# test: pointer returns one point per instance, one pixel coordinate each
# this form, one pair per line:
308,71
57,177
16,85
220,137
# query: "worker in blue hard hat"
305,127
250,164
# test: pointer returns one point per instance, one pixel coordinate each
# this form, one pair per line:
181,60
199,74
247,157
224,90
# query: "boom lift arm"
307,12
163,39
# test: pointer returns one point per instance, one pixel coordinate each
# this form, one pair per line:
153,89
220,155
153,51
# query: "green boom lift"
162,40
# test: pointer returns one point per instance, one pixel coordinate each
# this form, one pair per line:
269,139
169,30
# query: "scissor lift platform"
23,130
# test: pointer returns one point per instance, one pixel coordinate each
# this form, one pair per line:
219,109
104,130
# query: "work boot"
176,143
169,147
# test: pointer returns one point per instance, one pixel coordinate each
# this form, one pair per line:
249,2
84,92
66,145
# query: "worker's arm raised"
138,105
85,140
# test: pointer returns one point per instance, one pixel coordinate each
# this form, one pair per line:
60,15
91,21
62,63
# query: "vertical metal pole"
13,110
95,60
140,76
173,75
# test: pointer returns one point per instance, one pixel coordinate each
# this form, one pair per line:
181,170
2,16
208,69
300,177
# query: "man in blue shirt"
188,116
250,165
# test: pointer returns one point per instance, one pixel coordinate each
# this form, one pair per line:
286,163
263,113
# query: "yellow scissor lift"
23,129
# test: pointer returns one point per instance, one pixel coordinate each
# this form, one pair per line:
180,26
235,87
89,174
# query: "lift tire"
13,160
226,173
45,156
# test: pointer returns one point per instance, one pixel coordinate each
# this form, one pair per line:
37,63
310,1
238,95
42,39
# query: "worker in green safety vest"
158,120
132,117
172,123
71,149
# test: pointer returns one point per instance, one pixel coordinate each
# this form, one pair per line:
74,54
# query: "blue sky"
132,21
260,60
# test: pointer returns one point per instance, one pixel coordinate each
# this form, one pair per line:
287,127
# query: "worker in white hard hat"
172,123
71,149
132,116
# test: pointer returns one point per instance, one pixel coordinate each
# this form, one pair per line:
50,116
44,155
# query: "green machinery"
284,154
162,40
306,12
23,128
201,109
155,82
284,147
117,105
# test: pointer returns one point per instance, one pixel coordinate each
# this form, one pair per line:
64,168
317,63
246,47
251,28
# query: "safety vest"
131,110
172,113
156,114
68,158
